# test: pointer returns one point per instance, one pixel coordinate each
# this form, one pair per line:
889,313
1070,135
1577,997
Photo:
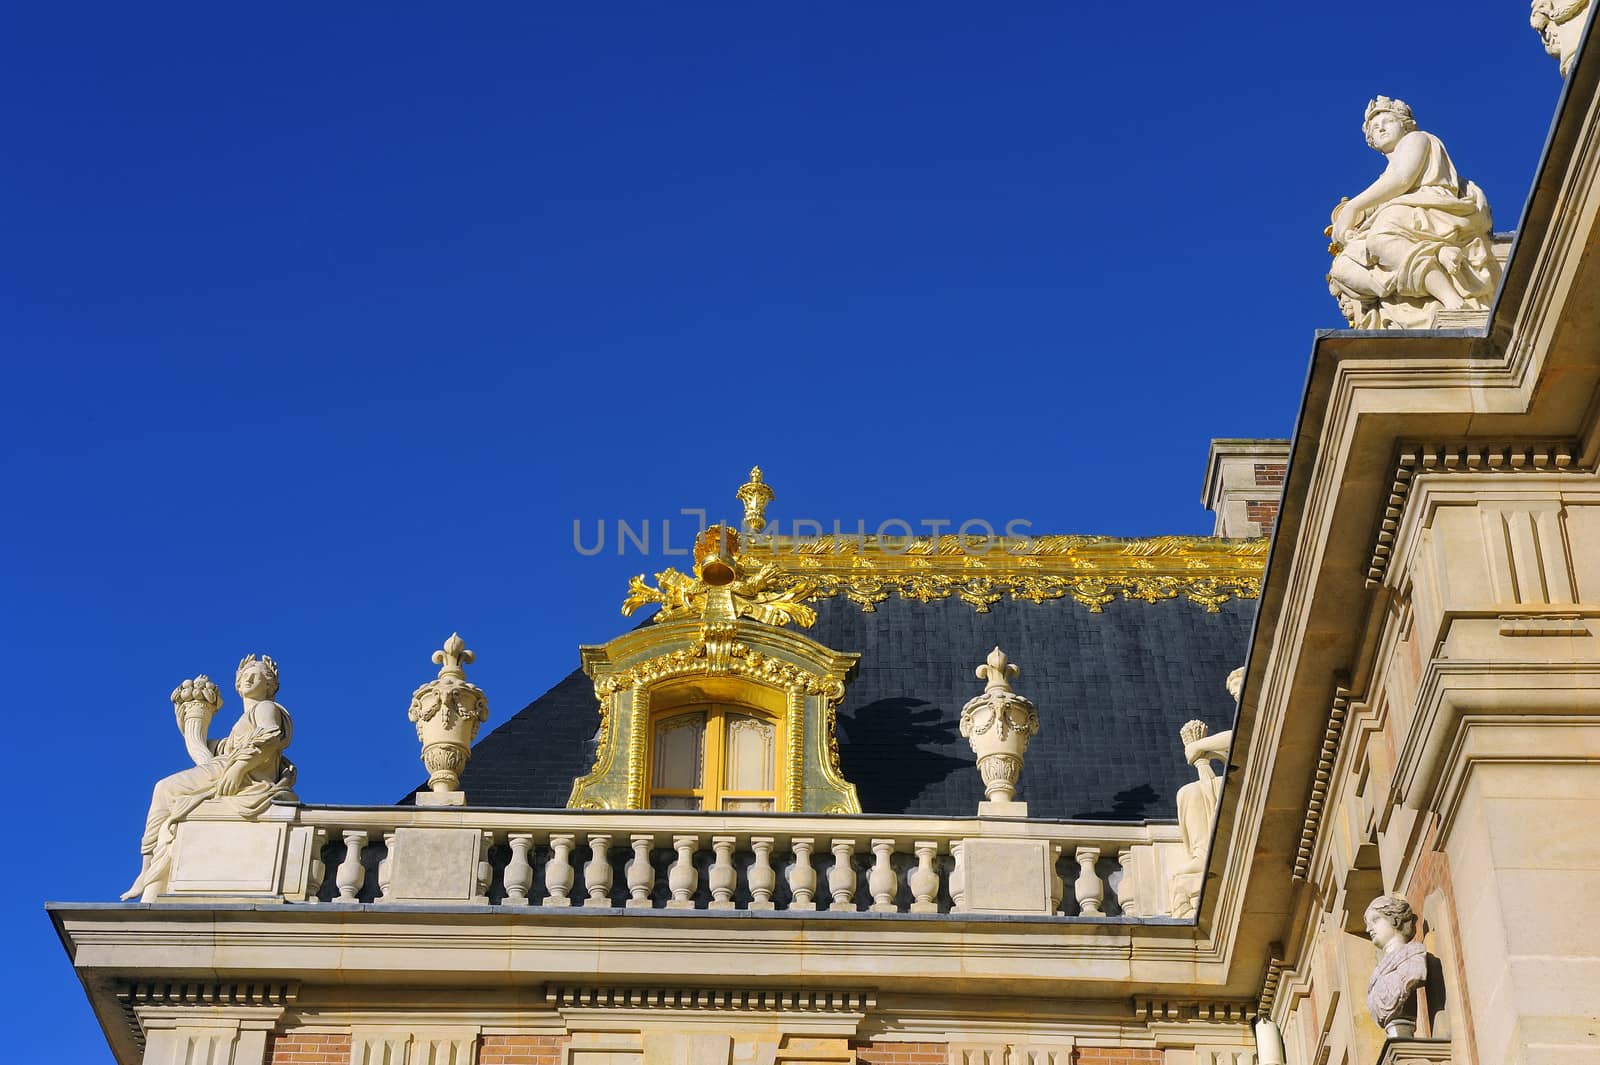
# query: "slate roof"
1112,690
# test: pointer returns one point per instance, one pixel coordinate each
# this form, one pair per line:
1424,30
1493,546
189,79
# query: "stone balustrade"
672,860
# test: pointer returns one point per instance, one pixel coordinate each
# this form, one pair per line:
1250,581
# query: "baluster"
842,877
519,872
641,876
1058,887
682,878
351,874
319,868
597,871
485,870
925,878
722,876
958,877
802,876
881,881
1088,888
386,869
559,875
762,879
1127,887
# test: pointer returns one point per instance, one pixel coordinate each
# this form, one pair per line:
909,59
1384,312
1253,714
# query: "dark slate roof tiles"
1112,691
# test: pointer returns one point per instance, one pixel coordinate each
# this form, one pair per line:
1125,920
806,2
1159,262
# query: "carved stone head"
1390,922
1386,122
257,678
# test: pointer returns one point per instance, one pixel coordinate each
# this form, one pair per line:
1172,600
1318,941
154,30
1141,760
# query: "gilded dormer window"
728,716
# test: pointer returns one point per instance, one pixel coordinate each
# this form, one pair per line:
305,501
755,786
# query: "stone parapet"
643,860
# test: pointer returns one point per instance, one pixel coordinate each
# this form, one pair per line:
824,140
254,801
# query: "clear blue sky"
322,325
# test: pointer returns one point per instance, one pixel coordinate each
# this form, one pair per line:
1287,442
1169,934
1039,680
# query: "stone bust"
1402,966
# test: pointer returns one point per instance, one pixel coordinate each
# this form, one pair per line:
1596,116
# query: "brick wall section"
1118,1056
901,1054
1432,873
521,1049
1263,512
310,1048
1269,474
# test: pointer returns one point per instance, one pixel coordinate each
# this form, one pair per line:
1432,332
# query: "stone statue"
1560,26
246,768
1415,241
1402,966
1197,804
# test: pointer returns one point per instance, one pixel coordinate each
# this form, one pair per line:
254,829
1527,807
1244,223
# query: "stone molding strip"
1220,1011
1270,982
1456,457
182,993
1331,735
188,993
705,998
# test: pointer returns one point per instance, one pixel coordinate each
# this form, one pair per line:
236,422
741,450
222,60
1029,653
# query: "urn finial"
998,725
755,494
447,713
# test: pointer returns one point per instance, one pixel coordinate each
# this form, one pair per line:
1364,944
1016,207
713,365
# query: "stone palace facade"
1320,789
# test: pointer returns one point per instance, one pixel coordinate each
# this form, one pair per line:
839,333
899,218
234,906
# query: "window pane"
750,754
674,802
757,805
679,751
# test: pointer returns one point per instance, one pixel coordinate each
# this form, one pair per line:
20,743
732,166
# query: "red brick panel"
521,1049
901,1054
310,1048
1262,512
1269,473
1118,1056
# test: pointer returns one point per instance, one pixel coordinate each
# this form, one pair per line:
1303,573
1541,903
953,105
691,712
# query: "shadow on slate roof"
1112,691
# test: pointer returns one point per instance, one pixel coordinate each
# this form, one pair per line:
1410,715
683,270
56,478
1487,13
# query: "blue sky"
323,325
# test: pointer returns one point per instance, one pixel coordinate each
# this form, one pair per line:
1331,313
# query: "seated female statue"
1414,241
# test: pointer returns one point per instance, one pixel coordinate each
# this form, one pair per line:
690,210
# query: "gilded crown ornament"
998,725
725,587
727,584
447,712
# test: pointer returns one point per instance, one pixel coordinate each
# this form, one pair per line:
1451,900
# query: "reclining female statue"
246,767
1414,241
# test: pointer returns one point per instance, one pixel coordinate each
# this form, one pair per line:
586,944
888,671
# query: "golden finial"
452,656
755,495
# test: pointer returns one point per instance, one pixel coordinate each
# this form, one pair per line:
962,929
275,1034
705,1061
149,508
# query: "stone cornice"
490,947
1520,457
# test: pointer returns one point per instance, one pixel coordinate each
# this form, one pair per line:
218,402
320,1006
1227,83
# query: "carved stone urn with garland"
447,712
998,725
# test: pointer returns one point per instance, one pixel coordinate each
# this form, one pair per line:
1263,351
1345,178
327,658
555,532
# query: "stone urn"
447,712
998,725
